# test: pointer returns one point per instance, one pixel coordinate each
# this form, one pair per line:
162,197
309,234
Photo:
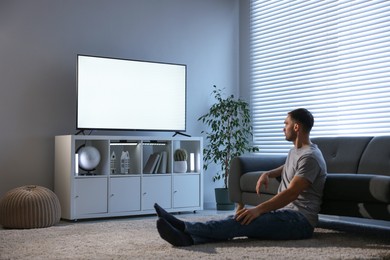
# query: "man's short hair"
304,117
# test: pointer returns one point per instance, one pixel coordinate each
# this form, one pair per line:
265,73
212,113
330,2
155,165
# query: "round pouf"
29,207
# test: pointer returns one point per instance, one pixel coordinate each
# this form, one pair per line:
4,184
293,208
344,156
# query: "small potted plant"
229,134
180,161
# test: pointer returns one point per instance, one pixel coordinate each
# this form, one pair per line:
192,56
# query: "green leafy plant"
180,155
229,133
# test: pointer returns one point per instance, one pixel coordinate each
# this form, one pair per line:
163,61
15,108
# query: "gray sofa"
357,185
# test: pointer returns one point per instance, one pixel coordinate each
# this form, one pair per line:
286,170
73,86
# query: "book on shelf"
163,162
155,170
151,163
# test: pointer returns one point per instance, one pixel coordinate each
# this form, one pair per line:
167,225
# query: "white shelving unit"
107,192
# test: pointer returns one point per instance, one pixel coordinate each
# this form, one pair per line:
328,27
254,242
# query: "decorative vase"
125,158
222,199
180,166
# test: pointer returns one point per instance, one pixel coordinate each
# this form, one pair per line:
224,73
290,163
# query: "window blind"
331,57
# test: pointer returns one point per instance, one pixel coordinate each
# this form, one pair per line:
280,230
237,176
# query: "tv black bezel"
81,129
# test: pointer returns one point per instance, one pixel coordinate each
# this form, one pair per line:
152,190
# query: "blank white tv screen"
122,94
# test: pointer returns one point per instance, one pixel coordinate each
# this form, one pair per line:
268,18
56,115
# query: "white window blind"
331,57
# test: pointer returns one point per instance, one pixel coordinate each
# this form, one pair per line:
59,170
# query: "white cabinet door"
186,191
125,194
156,189
90,196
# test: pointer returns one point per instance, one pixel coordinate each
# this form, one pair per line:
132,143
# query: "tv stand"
180,133
109,191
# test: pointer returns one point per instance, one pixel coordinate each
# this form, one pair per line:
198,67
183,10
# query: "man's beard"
290,137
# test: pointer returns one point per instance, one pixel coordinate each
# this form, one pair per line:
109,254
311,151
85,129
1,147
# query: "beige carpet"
137,238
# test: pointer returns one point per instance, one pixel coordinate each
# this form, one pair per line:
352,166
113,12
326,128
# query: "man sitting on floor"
291,214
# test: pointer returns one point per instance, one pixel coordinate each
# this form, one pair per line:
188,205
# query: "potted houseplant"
228,135
180,160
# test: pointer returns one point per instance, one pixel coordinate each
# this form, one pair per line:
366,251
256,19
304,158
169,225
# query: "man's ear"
296,127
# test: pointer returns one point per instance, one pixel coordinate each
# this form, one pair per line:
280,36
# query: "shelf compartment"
156,157
102,167
125,158
193,149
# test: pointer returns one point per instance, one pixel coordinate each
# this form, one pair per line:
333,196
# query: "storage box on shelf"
132,175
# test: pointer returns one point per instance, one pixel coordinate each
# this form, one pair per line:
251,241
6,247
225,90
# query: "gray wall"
39,41
244,49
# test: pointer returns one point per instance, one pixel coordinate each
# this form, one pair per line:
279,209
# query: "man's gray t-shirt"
306,162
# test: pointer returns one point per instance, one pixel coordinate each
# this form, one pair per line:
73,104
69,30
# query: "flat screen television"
124,94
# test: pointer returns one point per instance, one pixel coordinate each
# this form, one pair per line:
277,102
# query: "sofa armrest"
249,163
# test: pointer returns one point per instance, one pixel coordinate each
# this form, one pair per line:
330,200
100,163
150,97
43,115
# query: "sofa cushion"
376,157
248,183
342,154
357,188
261,163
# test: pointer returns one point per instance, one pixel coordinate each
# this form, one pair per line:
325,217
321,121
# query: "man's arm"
263,180
275,172
296,187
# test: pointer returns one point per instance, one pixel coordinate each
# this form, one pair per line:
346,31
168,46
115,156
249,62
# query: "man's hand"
240,206
263,180
246,216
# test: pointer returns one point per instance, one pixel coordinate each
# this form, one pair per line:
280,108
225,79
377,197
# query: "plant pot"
180,166
222,199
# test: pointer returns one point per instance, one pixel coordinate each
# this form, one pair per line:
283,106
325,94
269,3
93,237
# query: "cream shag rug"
137,238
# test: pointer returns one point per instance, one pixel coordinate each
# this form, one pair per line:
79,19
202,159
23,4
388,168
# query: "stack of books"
157,163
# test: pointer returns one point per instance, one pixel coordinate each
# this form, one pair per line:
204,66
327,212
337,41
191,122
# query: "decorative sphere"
89,158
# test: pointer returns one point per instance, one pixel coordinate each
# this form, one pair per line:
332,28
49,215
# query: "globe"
89,158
